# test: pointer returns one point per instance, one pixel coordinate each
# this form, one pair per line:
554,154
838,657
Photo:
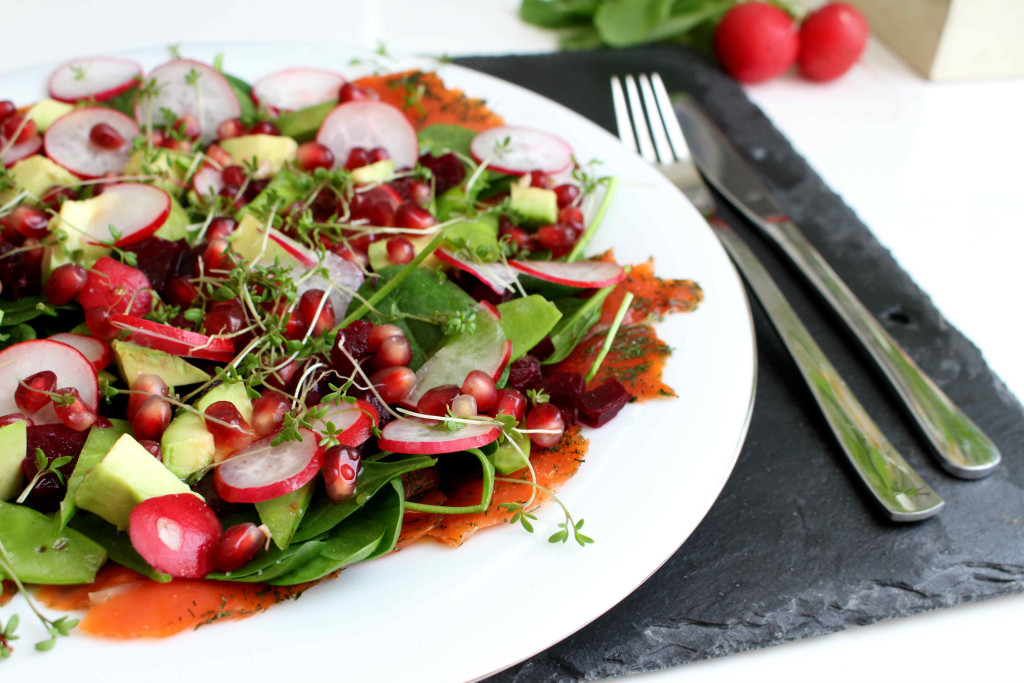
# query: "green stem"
606,347
606,201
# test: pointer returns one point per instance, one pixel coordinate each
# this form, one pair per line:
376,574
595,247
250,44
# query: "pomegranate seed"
237,545
264,128
7,108
151,418
153,447
558,238
221,227
236,433
30,396
65,283
157,138
355,340
286,378
313,155
234,175
481,387
517,236
394,384
356,256
150,385
18,125
232,128
30,221
218,155
572,217
400,251
351,93
393,351
316,311
464,405
448,170
105,136
227,318
545,416
180,291
268,412
97,319
378,154
216,255
34,252
188,127
566,194
380,333
340,470
412,216
357,158
540,179
511,402
412,190
75,415
436,401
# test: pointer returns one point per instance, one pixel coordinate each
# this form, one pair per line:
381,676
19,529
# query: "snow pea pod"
37,550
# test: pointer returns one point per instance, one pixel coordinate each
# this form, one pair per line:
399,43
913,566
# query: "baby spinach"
273,563
578,316
244,93
444,137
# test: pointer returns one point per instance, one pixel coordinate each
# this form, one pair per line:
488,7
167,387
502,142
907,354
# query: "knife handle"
891,480
963,449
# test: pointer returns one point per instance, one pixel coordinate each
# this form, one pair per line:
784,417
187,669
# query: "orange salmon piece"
636,359
425,100
653,296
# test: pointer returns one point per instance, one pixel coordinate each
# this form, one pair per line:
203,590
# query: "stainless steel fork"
648,125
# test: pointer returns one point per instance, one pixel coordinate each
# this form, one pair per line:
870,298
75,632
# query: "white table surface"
933,169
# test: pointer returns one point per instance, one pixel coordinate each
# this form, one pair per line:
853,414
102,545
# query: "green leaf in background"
441,137
558,13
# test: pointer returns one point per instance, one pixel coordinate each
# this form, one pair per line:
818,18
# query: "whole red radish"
832,39
756,41
175,534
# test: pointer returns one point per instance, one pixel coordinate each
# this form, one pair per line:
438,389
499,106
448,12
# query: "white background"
933,169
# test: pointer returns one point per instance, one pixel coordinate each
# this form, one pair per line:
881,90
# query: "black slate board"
793,547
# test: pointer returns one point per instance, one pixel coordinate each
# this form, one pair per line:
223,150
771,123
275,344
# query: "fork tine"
622,121
668,115
643,135
655,121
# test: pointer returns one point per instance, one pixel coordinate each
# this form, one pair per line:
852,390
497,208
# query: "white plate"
430,613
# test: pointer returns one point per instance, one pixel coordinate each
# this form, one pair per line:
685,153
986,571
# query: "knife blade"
961,447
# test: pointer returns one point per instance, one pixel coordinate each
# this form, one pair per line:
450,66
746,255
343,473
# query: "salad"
256,333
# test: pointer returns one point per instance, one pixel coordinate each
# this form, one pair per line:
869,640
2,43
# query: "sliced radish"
174,340
67,141
95,350
24,359
499,277
262,471
293,89
369,124
402,436
135,211
297,251
207,182
11,154
175,534
353,423
93,78
190,88
516,150
485,349
588,274
341,283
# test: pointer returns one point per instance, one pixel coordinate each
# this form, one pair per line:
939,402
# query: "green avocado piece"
228,391
534,205
506,459
127,475
377,172
40,551
526,321
268,153
133,360
303,124
13,445
97,444
35,175
282,515
176,227
46,111
187,446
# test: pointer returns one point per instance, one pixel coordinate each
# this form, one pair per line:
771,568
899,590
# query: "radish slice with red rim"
26,358
134,210
589,274
67,141
516,150
12,154
175,534
95,350
402,436
369,124
207,182
498,276
353,422
293,89
93,78
174,340
190,88
263,471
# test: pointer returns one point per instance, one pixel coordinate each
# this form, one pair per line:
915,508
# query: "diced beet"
19,276
356,341
602,403
565,390
55,440
160,259
448,170
524,373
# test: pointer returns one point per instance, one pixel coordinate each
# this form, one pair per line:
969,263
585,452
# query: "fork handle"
963,449
901,492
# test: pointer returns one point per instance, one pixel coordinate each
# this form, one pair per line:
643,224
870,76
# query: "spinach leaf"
324,514
443,137
25,310
125,102
578,316
117,544
18,333
558,13
244,93
273,563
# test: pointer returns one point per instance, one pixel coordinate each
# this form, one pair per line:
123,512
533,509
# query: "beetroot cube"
565,389
602,403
